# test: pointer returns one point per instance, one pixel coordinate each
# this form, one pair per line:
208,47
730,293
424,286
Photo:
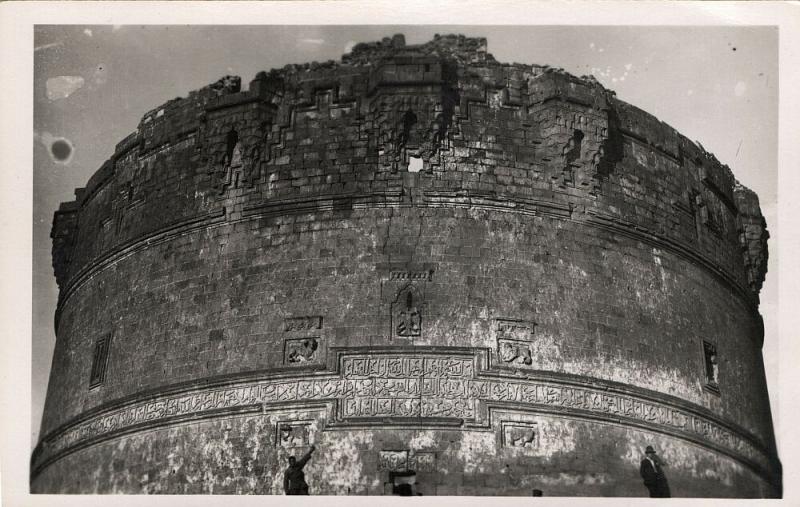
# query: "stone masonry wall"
556,262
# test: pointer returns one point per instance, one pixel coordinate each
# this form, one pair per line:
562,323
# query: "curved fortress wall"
498,276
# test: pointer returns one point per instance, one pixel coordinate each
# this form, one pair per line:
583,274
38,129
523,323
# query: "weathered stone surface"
528,310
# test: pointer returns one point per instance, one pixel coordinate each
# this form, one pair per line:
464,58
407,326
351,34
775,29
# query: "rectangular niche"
292,434
307,351
100,361
520,435
711,366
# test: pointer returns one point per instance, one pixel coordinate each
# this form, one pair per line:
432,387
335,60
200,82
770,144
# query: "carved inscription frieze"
426,275
425,385
397,367
422,461
305,323
403,460
393,461
408,387
514,329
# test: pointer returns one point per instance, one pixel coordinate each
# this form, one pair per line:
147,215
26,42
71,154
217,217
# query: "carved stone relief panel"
405,460
304,323
407,387
291,434
422,461
422,274
520,435
393,461
303,351
514,342
407,313
514,329
514,352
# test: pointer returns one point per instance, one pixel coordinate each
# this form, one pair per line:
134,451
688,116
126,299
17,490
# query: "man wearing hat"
653,474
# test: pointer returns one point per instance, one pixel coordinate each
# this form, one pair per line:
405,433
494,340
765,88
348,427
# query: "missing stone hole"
404,483
414,164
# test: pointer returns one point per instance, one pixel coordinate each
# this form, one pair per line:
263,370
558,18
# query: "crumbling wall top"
453,47
457,75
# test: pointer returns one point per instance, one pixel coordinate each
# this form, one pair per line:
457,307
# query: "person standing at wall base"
651,470
294,480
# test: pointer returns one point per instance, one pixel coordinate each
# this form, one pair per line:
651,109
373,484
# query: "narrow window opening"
99,361
711,361
572,151
408,121
230,143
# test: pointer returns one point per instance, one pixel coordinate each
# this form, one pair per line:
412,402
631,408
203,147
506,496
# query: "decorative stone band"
455,387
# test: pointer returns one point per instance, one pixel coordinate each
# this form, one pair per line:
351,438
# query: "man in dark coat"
294,480
653,474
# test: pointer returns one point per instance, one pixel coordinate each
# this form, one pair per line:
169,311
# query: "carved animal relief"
514,352
520,435
514,342
301,351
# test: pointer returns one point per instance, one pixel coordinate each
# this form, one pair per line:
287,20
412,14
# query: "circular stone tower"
476,277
